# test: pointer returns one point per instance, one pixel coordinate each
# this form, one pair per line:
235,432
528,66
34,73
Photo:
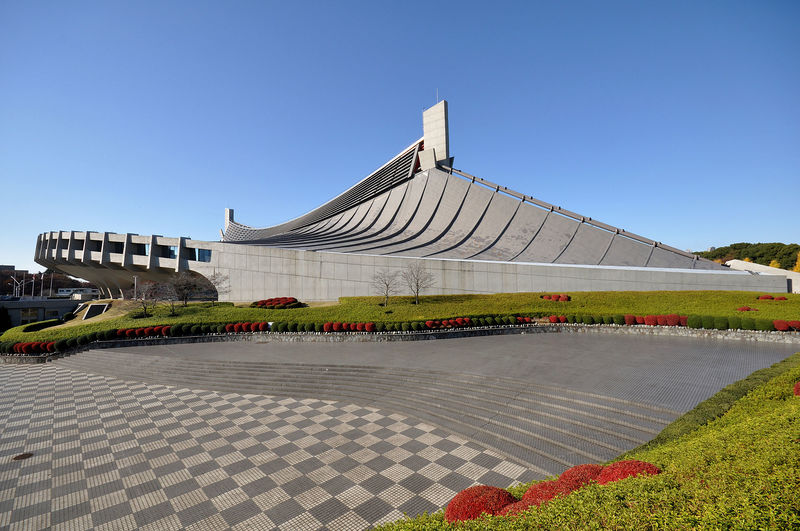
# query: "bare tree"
221,283
167,293
185,285
417,278
385,283
148,294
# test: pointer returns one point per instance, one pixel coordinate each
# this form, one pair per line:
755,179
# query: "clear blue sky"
676,120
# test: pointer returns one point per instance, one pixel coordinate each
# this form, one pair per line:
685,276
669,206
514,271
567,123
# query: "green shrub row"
41,325
711,322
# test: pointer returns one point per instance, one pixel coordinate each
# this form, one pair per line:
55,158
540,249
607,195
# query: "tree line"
784,256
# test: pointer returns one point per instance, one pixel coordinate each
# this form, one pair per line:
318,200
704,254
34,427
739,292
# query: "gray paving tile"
132,454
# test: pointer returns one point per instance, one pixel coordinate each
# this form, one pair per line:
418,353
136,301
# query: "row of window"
143,249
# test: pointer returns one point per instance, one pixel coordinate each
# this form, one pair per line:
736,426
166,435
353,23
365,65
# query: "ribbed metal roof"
399,169
454,215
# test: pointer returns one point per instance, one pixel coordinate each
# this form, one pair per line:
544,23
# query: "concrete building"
472,235
27,310
791,276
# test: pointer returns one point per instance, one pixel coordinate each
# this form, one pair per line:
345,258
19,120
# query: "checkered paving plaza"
114,454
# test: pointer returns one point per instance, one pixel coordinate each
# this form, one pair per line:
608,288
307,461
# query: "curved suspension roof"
418,207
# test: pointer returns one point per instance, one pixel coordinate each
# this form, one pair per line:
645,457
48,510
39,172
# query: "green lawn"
739,471
401,309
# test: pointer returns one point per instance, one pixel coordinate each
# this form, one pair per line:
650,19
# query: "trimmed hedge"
41,325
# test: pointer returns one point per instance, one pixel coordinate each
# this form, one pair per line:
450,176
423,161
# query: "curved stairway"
545,428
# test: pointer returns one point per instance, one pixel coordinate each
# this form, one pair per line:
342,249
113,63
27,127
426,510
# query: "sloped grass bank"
738,471
402,309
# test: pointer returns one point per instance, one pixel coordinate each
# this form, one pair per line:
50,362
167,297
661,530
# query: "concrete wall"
741,265
257,272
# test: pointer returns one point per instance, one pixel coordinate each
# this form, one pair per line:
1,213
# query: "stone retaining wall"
361,337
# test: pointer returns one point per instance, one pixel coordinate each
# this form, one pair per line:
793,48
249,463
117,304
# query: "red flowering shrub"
539,493
514,508
650,320
795,325
353,327
130,332
468,321
165,330
672,319
683,320
460,321
630,320
561,297
51,346
230,327
661,320
27,348
276,303
360,327
148,331
579,475
796,389
553,318
470,503
369,327
327,327
429,324
121,332
237,327
157,330
765,298
139,332
780,325
780,298
626,469
562,318
337,327
639,319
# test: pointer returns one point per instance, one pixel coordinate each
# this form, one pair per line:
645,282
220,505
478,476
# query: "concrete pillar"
436,131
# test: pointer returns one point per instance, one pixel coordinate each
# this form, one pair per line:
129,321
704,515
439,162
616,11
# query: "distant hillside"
788,256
